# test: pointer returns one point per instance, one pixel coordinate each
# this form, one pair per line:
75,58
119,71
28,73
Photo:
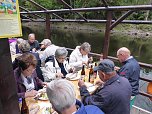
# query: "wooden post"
107,35
8,92
48,33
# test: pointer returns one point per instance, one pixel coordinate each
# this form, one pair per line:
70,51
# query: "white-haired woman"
61,94
14,46
56,67
79,56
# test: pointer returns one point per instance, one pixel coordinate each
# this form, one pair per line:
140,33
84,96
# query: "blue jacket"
131,71
112,98
90,109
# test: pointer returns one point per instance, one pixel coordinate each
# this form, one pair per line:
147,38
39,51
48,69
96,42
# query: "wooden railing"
143,65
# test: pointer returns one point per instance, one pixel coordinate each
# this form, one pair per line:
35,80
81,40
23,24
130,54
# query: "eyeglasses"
63,58
30,70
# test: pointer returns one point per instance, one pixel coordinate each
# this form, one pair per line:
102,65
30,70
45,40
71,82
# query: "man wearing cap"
113,97
49,51
44,44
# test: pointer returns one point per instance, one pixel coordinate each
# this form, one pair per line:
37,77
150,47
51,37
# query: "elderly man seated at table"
113,97
26,78
79,56
49,51
129,70
44,44
34,44
56,67
61,94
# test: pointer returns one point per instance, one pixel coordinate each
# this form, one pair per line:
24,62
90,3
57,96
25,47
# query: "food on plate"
43,96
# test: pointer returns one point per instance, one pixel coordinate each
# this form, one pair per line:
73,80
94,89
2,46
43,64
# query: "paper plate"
43,99
76,78
72,76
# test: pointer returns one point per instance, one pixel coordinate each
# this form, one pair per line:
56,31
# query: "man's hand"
44,84
116,68
85,63
34,50
99,83
81,83
59,75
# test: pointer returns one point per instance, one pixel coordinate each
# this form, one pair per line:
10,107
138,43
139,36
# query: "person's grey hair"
61,51
86,47
46,42
20,40
31,34
61,94
124,51
24,46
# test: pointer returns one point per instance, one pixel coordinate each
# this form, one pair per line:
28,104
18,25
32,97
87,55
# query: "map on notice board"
10,23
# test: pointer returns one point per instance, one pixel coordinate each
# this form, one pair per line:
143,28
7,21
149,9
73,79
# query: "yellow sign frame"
10,22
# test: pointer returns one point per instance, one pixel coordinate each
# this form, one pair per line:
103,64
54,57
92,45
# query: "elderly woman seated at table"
79,56
26,78
56,67
61,94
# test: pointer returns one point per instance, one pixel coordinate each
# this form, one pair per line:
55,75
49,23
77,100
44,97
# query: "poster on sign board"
10,22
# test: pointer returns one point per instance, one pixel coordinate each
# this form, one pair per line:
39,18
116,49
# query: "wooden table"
44,104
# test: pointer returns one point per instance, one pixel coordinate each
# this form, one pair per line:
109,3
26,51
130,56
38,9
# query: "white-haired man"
61,94
34,44
49,51
129,70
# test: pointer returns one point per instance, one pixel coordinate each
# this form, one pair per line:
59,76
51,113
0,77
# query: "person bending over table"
130,69
26,77
61,94
79,56
113,97
56,67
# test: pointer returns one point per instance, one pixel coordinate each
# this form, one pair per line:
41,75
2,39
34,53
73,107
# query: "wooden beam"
8,92
107,35
43,8
121,19
68,6
110,8
29,11
48,33
93,21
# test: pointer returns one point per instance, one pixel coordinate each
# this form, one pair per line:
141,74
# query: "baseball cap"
106,66
46,42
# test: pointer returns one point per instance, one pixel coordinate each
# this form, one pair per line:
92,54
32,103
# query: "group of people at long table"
46,64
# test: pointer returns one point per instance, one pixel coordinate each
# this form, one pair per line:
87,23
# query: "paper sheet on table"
73,76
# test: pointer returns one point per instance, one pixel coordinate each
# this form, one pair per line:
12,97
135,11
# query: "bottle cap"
20,100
